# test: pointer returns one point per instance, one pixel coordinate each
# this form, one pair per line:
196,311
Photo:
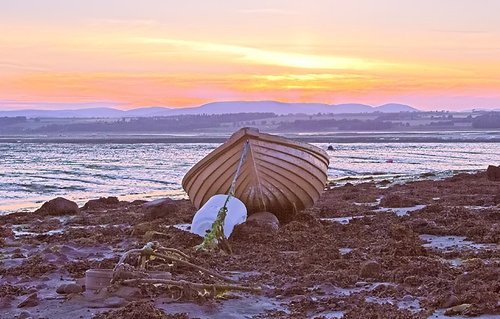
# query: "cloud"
267,57
15,66
56,105
123,22
272,11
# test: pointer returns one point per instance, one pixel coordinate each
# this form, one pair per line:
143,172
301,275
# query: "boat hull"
279,175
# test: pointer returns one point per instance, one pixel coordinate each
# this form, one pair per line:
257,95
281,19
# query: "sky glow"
430,54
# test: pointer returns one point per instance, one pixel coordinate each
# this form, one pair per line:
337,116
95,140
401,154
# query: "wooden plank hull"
279,175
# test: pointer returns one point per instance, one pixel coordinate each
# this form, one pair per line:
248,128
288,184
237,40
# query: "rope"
216,235
243,157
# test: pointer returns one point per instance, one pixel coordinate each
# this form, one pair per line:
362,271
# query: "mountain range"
214,108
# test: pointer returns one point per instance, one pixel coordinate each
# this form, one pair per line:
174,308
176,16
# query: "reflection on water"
31,173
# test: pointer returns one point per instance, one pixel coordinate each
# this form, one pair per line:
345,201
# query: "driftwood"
126,274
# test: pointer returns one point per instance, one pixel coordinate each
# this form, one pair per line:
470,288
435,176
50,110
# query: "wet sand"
371,250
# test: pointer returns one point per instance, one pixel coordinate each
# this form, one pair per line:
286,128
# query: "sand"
371,250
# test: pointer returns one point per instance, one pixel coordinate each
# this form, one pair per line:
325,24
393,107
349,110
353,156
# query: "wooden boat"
279,175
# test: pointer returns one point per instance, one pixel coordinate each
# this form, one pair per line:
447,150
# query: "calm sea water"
31,173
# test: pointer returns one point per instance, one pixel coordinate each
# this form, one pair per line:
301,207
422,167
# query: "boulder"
265,220
159,208
58,206
103,202
493,173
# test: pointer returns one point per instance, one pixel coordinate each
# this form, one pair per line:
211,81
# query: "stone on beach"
30,301
265,220
159,208
58,206
493,173
71,288
103,202
24,315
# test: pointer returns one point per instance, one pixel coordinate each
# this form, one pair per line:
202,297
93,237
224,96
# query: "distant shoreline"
221,139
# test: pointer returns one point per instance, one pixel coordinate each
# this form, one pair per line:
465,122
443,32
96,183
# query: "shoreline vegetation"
402,127
217,124
421,249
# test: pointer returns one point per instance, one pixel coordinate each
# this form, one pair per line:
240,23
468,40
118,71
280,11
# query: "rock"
428,174
330,148
462,309
159,208
370,269
103,202
69,289
361,284
408,298
384,182
493,173
451,302
58,206
265,220
24,315
142,228
30,301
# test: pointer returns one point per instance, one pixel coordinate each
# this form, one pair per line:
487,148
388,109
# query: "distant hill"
215,108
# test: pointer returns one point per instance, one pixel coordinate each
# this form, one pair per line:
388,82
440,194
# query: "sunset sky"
78,53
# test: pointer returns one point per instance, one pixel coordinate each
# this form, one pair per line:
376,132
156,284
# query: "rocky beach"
377,249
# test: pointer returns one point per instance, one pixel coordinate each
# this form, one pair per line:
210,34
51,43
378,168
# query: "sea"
34,172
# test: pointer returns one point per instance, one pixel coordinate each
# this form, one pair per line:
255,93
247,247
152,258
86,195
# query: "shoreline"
340,137
414,250
22,205
17,206
220,140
